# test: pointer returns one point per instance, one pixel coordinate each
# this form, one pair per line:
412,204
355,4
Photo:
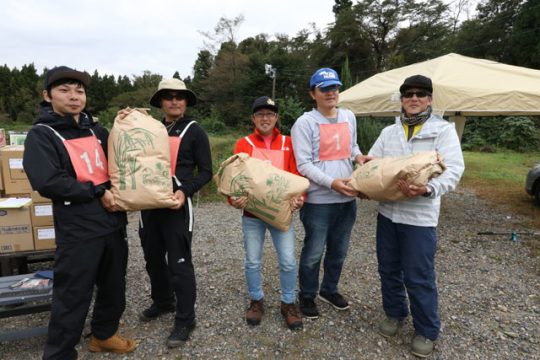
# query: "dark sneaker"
421,346
336,300
309,308
180,335
255,312
154,311
389,327
291,316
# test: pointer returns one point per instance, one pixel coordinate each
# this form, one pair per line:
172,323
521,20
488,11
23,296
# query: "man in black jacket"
65,161
168,232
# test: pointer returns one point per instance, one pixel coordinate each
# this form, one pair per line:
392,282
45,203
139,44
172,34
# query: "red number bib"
335,141
88,159
274,157
174,147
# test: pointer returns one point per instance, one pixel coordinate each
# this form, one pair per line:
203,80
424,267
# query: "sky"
127,37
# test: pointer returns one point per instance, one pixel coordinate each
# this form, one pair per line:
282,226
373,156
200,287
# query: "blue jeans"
254,231
406,256
326,226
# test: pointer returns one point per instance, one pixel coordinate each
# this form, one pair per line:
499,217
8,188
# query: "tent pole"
459,121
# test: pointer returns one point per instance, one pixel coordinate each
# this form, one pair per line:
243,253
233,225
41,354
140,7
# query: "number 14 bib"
335,141
87,158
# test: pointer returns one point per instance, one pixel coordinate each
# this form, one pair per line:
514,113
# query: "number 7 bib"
335,141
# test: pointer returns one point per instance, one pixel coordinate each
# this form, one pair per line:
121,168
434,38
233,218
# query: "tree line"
366,37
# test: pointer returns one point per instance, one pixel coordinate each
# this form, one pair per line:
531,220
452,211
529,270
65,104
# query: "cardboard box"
42,214
44,237
15,179
37,198
15,226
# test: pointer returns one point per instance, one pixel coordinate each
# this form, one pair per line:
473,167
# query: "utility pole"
272,72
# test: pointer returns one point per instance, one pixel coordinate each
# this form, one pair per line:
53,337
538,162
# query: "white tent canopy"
462,86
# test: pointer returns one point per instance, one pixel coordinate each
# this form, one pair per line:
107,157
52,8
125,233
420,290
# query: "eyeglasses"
329,88
265,114
419,94
170,96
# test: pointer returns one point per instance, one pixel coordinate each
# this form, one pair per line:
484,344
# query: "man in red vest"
267,143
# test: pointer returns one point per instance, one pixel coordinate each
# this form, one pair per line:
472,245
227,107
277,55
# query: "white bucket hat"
175,85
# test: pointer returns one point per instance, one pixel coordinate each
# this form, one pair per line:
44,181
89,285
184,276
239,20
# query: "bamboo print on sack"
140,168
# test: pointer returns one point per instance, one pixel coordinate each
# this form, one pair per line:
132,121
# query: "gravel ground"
489,296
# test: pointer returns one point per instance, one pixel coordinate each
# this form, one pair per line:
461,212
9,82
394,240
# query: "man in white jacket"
406,230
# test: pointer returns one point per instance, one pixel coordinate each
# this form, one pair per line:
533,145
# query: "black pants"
79,265
166,232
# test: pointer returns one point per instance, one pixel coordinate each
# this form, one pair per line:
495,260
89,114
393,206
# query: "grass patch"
499,178
222,148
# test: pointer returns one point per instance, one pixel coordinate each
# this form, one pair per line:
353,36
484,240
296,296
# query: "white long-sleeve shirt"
436,134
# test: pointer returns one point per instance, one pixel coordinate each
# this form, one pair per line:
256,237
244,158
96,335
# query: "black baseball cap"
64,72
416,81
264,102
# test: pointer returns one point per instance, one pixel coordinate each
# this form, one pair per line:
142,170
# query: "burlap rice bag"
378,178
139,162
268,188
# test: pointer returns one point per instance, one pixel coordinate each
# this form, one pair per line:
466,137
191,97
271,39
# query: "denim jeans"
406,256
254,233
326,226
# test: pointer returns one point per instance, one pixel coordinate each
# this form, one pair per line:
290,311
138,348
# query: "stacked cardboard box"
42,222
30,227
15,225
15,179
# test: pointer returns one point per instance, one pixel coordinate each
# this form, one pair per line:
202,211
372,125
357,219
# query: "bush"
290,109
212,124
517,133
368,129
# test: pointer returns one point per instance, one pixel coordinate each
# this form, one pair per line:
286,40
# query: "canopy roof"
461,86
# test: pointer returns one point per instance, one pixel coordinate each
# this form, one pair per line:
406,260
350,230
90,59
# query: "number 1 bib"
335,141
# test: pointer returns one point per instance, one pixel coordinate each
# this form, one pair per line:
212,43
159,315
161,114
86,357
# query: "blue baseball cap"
324,77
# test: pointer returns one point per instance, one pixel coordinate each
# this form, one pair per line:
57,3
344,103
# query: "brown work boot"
291,316
255,312
116,344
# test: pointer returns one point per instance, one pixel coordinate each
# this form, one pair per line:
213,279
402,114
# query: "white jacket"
436,134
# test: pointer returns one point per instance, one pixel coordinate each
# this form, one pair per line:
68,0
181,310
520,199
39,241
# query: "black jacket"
194,153
78,213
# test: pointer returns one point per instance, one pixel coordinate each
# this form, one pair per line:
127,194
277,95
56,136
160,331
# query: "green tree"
346,75
340,5
526,32
489,34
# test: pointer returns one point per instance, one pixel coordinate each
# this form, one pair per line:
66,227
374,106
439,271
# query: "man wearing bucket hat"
325,147
406,230
267,143
166,233
64,159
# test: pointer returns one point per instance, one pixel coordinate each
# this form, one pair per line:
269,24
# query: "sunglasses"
329,88
419,94
170,96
